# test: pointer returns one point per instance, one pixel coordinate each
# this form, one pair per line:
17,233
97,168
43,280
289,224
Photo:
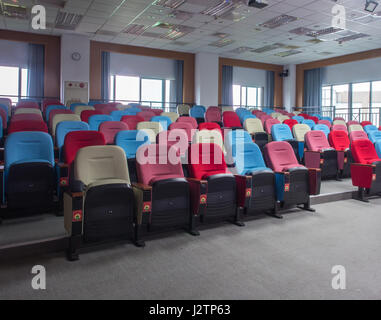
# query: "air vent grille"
278,21
67,20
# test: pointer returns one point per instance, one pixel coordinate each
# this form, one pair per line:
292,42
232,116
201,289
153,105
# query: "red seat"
357,135
364,152
290,123
264,118
192,121
175,137
304,115
58,111
339,127
339,140
314,119
213,114
27,104
269,123
210,126
157,112
316,141
326,122
231,120
86,114
280,156
105,108
146,115
26,117
111,128
187,127
365,123
349,123
48,102
339,118
132,121
27,125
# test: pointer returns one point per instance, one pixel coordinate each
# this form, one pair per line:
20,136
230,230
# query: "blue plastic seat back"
53,107
94,102
135,110
374,136
248,158
241,110
118,114
197,111
309,123
369,128
247,116
378,147
97,119
1,128
64,127
281,132
327,118
164,121
298,118
26,147
238,136
317,116
75,104
322,127
131,140
134,105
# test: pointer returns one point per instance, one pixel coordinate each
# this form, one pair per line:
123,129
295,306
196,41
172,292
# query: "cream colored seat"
79,109
171,115
28,110
226,108
209,136
62,117
296,112
276,115
183,109
151,128
253,125
339,122
282,117
299,131
355,127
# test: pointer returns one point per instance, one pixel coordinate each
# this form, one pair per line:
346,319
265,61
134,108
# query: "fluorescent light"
371,5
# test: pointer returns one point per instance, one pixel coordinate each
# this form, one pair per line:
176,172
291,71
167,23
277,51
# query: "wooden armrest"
75,194
196,180
314,169
141,186
362,165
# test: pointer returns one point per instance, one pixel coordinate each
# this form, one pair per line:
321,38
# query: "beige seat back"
299,131
79,109
282,117
355,127
339,122
209,136
28,110
183,109
171,115
151,128
253,125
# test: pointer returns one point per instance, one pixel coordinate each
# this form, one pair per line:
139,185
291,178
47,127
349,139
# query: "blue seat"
281,132
241,110
75,104
5,108
246,116
94,102
197,112
118,114
316,115
309,123
134,110
63,128
134,105
369,128
53,107
131,140
1,128
374,136
28,170
298,118
378,147
248,159
327,118
97,119
164,121
322,127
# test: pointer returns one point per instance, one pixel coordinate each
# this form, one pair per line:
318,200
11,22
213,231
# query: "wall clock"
76,56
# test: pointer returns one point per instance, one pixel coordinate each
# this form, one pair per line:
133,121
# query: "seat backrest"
192,121
326,123
374,136
355,127
283,118
378,148
298,118
53,107
366,123
171,115
253,126
62,117
246,116
86,114
280,156
247,158
47,102
76,104
27,110
27,125
210,126
208,136
281,132
349,123
269,123
238,136
130,141
316,141
174,137
231,119
23,147
4,118
339,140
118,114
76,140
110,129
314,119
275,115
364,152
78,109
309,122
101,164
158,112
339,121
213,114
96,120
147,115
186,127
27,104
358,135
163,120
64,127
52,113
340,127
369,128
132,121
197,111
152,129
155,162
321,127
183,109
26,116
290,123
299,131
8,103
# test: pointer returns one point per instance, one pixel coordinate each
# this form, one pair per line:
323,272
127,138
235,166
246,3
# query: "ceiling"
240,32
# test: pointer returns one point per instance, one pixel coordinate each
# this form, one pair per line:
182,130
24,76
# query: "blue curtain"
179,75
227,85
36,70
269,90
105,75
313,82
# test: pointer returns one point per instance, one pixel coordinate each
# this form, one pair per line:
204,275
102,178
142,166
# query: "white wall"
249,77
358,71
74,70
206,79
13,53
142,66
289,87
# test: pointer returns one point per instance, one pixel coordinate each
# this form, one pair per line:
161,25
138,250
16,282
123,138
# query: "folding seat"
283,118
163,120
366,123
321,155
27,125
326,123
198,112
275,115
146,115
339,118
339,140
51,108
5,108
99,206
269,123
374,136
244,117
27,110
8,103
264,118
171,115
134,105
231,120
183,110
94,102
26,117
304,115
327,119
290,122
192,121
294,182
339,122
352,122
366,169
158,112
209,137
151,128
27,104
255,128
86,114
53,113
213,114
186,127
282,132
298,118
314,119
130,141
339,127
106,109
96,120
48,102
28,171
233,139
76,104
118,115
355,127
174,137
132,121
63,128
299,131
357,135
316,115
62,117
210,126
321,127
110,129
78,109
369,128
309,122
4,118
226,108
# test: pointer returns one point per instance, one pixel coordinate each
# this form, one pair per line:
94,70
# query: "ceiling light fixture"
371,5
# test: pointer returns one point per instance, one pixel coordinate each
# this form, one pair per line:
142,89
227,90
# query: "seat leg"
238,218
338,176
361,195
137,241
307,206
275,212
192,225
72,251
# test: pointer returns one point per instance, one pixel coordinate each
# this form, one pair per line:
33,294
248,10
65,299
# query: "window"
152,90
13,82
376,94
340,99
326,96
360,100
247,96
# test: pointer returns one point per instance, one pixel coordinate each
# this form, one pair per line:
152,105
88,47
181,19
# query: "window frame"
257,98
19,95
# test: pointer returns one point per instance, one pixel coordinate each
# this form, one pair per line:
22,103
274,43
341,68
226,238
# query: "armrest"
63,174
244,190
363,175
56,152
314,175
313,159
141,186
198,194
73,212
143,201
1,154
